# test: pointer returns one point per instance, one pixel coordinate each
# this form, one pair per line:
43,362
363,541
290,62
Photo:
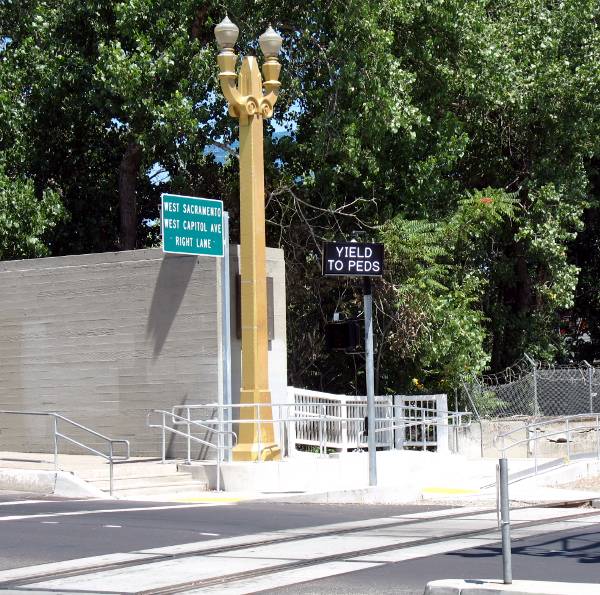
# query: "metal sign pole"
368,304
360,259
225,415
505,522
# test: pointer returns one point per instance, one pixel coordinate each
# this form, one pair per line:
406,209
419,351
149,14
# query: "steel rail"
287,539
254,573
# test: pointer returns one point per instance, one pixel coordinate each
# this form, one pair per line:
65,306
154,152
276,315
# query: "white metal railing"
284,419
336,422
57,419
393,416
534,432
175,420
424,425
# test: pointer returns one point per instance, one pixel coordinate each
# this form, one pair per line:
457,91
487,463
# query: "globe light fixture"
226,34
270,43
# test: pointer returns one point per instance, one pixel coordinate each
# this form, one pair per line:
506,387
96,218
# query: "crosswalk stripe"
274,561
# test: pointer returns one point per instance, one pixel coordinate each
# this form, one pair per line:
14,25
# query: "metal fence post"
111,481
292,425
55,444
536,405
344,423
441,413
398,422
505,523
535,451
597,436
189,437
164,437
591,390
321,430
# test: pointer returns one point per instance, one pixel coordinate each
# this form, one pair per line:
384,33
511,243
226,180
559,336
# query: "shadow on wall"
172,282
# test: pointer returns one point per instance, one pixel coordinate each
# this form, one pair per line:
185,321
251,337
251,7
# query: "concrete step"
181,490
125,470
144,481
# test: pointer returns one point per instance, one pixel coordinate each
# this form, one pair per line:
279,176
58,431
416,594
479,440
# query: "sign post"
199,227
372,442
225,412
365,260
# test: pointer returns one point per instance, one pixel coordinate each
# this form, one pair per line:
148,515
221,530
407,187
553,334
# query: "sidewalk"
412,477
495,587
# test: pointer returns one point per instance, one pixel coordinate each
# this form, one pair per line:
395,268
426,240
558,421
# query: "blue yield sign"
192,225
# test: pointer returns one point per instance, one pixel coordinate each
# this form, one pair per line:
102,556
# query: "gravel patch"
591,484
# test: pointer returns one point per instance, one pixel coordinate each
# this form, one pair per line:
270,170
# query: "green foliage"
24,219
440,270
465,133
84,80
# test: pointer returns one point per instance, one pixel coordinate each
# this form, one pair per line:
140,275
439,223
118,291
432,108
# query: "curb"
496,587
58,483
370,495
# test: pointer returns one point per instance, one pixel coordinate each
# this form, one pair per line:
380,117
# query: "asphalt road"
566,556
37,530
52,530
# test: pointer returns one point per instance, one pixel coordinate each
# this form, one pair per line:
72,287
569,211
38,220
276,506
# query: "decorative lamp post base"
256,440
250,452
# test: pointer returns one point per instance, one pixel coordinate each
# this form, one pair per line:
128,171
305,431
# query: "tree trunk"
128,173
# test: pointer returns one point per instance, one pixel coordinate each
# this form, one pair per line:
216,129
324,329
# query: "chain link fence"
530,389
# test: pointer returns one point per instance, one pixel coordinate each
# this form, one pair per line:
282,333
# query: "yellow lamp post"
248,103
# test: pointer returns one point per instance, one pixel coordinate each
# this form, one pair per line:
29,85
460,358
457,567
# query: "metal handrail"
453,419
189,437
110,457
414,423
280,405
535,426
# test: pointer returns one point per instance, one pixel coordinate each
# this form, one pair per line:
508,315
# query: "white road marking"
210,534
16,502
217,566
42,515
49,522
81,564
112,526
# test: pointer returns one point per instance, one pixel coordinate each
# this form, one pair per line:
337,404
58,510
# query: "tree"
401,117
24,219
106,94
481,97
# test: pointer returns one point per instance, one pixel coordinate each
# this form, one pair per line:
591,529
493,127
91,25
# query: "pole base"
249,452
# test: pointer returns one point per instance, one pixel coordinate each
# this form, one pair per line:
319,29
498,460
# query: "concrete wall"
103,338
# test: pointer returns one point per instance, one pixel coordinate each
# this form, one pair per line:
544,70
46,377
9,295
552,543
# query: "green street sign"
192,225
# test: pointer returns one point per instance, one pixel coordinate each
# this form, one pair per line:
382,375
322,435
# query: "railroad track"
286,539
